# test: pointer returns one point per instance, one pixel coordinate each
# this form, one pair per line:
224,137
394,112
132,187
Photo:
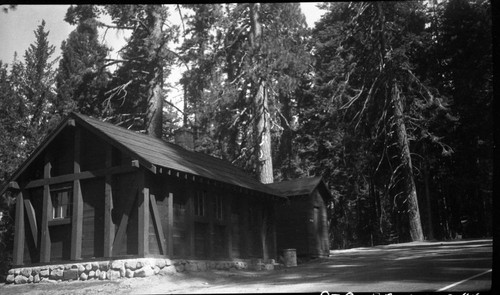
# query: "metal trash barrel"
290,257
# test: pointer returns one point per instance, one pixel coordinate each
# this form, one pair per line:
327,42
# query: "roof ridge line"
174,145
194,160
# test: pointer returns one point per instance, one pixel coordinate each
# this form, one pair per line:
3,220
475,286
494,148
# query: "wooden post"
46,215
19,232
157,224
30,213
143,216
210,199
170,229
244,224
274,249
122,227
190,221
227,216
263,217
109,227
77,218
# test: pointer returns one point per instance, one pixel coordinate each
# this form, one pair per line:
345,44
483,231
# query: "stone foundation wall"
126,268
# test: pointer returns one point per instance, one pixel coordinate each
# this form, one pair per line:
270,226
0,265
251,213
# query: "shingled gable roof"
298,187
152,152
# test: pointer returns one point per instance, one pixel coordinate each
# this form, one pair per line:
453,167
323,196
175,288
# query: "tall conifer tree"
82,77
136,100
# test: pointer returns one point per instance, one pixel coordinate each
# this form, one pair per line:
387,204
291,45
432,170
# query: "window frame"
59,212
219,207
200,204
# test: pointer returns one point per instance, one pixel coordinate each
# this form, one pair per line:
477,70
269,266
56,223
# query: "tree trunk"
410,190
263,134
285,155
262,126
428,206
154,113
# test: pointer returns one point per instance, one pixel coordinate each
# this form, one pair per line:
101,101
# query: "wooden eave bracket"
152,167
135,163
13,185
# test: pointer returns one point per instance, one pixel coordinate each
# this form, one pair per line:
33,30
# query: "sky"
17,29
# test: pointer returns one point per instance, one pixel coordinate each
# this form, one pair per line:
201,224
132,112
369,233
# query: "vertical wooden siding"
235,228
319,241
292,225
125,203
231,232
93,218
32,252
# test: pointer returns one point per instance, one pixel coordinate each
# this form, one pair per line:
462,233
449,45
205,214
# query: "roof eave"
143,162
38,150
71,120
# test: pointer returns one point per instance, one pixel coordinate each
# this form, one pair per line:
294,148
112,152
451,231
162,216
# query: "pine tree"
11,146
26,99
82,76
373,49
37,87
241,71
462,33
137,97
200,56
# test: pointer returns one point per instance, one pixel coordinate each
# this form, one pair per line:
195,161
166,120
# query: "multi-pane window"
199,203
218,208
61,202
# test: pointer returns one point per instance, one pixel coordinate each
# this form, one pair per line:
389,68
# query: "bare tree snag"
262,122
410,189
154,114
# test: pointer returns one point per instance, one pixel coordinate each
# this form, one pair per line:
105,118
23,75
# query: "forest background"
390,102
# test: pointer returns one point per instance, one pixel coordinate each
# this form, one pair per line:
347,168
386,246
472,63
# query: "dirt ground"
177,283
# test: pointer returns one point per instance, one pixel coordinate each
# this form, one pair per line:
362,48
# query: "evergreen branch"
142,24
285,119
113,62
237,117
179,57
274,123
353,99
115,91
368,96
101,24
182,19
243,153
175,107
243,28
432,99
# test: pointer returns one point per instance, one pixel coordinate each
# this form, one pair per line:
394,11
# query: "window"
199,203
218,208
61,202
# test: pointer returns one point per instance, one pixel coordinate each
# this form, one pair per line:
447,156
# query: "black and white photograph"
277,147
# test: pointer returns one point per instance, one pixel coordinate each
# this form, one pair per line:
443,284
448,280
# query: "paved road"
456,266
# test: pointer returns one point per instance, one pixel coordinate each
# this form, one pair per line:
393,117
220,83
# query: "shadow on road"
410,267
401,267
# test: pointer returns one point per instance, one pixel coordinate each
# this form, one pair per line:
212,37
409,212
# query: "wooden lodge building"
302,221
94,191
